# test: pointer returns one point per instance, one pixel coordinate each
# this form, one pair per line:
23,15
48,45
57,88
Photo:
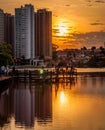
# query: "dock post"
29,75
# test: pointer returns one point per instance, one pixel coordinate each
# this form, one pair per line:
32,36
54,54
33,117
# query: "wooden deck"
46,76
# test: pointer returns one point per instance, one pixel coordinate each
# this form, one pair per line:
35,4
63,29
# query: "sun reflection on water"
62,97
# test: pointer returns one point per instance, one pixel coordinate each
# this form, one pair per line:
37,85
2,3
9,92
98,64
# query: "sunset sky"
76,23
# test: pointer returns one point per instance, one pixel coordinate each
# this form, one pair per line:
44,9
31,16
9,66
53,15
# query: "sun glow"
63,27
62,30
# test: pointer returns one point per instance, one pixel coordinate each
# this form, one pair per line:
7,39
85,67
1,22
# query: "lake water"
75,105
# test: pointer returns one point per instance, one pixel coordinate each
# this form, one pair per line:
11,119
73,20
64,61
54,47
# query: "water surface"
78,104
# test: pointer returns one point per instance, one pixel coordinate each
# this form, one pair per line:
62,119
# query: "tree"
102,49
54,47
84,48
54,52
6,57
54,55
93,48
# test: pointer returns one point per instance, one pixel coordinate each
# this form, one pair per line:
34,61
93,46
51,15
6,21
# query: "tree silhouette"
6,57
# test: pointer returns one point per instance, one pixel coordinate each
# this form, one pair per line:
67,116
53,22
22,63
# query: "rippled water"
91,69
78,104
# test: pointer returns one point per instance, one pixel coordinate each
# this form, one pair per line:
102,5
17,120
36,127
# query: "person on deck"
72,70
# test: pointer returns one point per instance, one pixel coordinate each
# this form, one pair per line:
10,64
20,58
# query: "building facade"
43,34
9,30
1,26
24,32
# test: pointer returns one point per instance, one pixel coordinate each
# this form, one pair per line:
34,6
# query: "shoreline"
80,71
90,70
4,82
91,73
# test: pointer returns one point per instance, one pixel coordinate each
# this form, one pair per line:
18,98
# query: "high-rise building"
24,32
1,26
9,29
43,34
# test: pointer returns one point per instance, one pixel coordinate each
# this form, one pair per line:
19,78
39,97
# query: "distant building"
43,34
24,32
9,29
1,26
6,28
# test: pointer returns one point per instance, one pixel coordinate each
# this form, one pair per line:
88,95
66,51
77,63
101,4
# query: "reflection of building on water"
3,109
24,106
6,106
26,102
43,103
29,102
32,103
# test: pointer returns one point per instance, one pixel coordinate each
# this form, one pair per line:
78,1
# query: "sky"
75,23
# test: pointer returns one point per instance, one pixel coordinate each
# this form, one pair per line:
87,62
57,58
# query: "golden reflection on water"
62,97
75,105
81,106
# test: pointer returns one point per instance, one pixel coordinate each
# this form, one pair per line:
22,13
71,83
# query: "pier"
44,75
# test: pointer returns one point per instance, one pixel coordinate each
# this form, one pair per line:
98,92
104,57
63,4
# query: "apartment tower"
43,34
24,32
8,28
1,26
